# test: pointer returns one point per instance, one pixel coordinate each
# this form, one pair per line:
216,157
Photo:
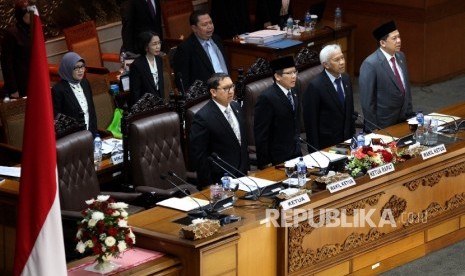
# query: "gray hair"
327,51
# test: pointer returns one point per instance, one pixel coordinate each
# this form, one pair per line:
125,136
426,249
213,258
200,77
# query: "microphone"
252,195
194,213
322,171
223,203
181,83
356,116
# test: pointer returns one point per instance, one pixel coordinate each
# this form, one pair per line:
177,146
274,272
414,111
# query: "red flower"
112,231
387,156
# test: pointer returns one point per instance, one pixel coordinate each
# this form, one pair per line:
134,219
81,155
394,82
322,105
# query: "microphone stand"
322,171
201,213
252,195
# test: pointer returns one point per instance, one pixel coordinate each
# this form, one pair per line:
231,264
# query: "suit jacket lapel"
222,119
333,94
283,98
202,54
72,97
148,74
387,67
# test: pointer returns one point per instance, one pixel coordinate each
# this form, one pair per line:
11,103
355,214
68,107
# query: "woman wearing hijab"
146,72
72,96
15,54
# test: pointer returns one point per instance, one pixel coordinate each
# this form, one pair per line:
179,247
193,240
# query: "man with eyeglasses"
277,115
218,128
201,54
328,103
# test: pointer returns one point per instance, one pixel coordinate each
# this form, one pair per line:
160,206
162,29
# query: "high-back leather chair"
12,120
83,39
175,14
152,141
248,88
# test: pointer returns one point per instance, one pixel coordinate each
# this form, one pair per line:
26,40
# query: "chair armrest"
111,57
126,197
10,155
71,215
158,192
104,133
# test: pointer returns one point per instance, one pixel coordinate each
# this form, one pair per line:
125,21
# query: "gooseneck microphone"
356,116
252,195
173,174
448,130
322,171
194,213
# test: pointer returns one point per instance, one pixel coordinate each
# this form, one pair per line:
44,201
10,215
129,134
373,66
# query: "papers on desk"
109,144
264,36
322,159
184,204
10,171
442,118
252,182
283,44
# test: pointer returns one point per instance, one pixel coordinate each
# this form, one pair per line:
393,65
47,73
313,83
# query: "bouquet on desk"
104,229
368,157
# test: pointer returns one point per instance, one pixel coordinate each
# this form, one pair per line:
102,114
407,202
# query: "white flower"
103,198
122,223
116,213
122,246
124,214
98,215
79,234
89,243
132,236
110,241
118,205
80,247
90,201
92,223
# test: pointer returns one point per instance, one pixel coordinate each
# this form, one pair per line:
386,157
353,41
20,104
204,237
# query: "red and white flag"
39,236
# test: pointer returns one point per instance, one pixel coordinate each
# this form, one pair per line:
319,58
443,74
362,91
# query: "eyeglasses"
227,89
292,73
79,67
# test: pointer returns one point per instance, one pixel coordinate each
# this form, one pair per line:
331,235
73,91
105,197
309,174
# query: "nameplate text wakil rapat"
341,184
295,201
381,170
434,151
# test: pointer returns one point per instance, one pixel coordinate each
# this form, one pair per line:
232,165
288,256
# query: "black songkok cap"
282,63
384,29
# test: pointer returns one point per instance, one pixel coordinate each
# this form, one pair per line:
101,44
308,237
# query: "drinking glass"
289,168
413,127
296,28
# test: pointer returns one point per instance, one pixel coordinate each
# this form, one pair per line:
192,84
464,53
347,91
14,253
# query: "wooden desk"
251,247
244,55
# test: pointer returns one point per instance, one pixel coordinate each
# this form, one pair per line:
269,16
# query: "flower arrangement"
104,229
368,157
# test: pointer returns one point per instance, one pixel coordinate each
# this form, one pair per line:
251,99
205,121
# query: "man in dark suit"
272,12
384,81
138,16
218,127
276,123
201,54
328,102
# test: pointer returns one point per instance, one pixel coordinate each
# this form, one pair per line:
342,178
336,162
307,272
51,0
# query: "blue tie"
214,58
339,90
289,97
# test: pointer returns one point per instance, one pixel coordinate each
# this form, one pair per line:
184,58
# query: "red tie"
396,72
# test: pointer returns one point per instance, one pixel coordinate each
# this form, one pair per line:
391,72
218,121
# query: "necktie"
291,100
214,58
396,72
152,8
339,90
233,125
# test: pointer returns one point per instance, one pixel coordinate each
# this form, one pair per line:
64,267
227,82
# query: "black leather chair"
152,141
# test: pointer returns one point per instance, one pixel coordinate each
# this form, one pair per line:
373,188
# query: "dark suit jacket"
383,103
276,127
66,103
327,121
136,18
268,11
192,61
141,79
211,132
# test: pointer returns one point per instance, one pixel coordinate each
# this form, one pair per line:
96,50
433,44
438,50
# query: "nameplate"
381,170
295,201
431,152
341,184
117,158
